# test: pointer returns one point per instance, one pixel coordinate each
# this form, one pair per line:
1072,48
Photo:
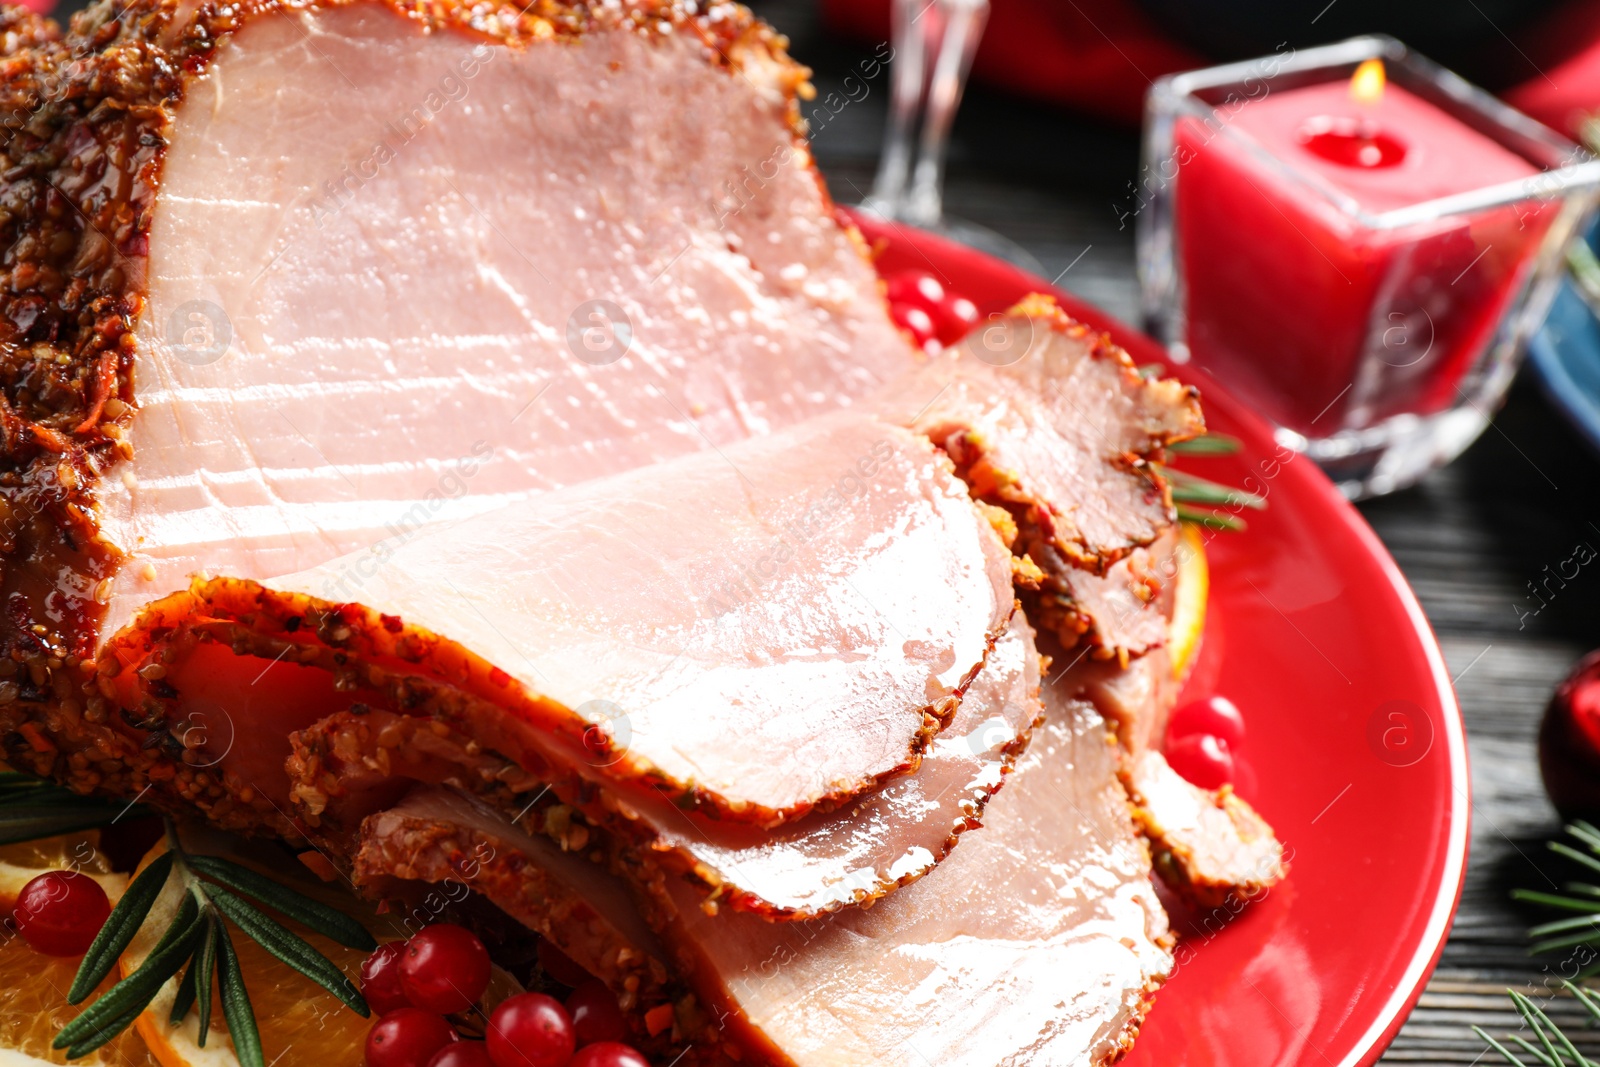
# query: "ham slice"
892,836
470,251
437,835
752,633
1039,940
1050,420
1210,846
346,766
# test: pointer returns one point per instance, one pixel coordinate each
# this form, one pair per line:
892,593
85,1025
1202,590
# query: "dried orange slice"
299,1021
1189,609
35,1006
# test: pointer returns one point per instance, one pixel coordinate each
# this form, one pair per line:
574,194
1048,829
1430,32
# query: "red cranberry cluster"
413,985
933,316
1203,738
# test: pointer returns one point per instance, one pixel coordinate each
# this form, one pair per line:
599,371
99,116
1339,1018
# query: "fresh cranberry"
595,1014
462,1054
530,1030
608,1054
1569,742
445,968
559,965
380,979
408,1037
59,913
914,288
916,321
1204,760
1215,715
954,317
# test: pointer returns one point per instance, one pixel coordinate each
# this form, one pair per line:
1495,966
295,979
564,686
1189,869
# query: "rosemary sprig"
1207,444
31,808
1214,520
1193,489
1198,498
214,891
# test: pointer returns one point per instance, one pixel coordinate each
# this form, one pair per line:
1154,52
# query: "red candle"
1297,299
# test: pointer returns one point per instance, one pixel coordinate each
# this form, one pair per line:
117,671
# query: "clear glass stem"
963,27
934,42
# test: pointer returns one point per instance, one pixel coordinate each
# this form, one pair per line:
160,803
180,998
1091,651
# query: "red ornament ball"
1569,742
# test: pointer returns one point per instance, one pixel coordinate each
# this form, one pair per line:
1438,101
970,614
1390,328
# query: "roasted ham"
577,510
287,280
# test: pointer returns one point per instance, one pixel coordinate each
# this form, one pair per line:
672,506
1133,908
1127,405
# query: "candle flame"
1366,84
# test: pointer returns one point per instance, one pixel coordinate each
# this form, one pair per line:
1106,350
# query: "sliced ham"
894,835
347,766
288,280
753,632
437,835
523,358
1039,940
1210,846
1047,418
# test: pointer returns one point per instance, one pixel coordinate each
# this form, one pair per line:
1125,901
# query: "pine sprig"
1552,1046
198,937
1581,900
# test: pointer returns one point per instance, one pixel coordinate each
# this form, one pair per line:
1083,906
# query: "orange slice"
1189,609
298,1020
35,1007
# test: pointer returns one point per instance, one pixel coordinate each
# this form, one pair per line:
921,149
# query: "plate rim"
1392,1015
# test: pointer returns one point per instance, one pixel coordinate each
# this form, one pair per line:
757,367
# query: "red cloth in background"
1097,56
1566,48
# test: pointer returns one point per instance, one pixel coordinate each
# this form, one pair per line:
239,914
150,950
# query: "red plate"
1354,742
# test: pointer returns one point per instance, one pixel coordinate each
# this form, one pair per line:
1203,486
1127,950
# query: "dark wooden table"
1470,538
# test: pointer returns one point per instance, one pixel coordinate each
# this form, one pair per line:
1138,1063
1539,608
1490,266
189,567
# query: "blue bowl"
1565,355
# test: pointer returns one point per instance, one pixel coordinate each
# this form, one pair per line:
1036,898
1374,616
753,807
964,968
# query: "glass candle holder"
1357,243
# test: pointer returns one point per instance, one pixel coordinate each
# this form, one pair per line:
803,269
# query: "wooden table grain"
1471,538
